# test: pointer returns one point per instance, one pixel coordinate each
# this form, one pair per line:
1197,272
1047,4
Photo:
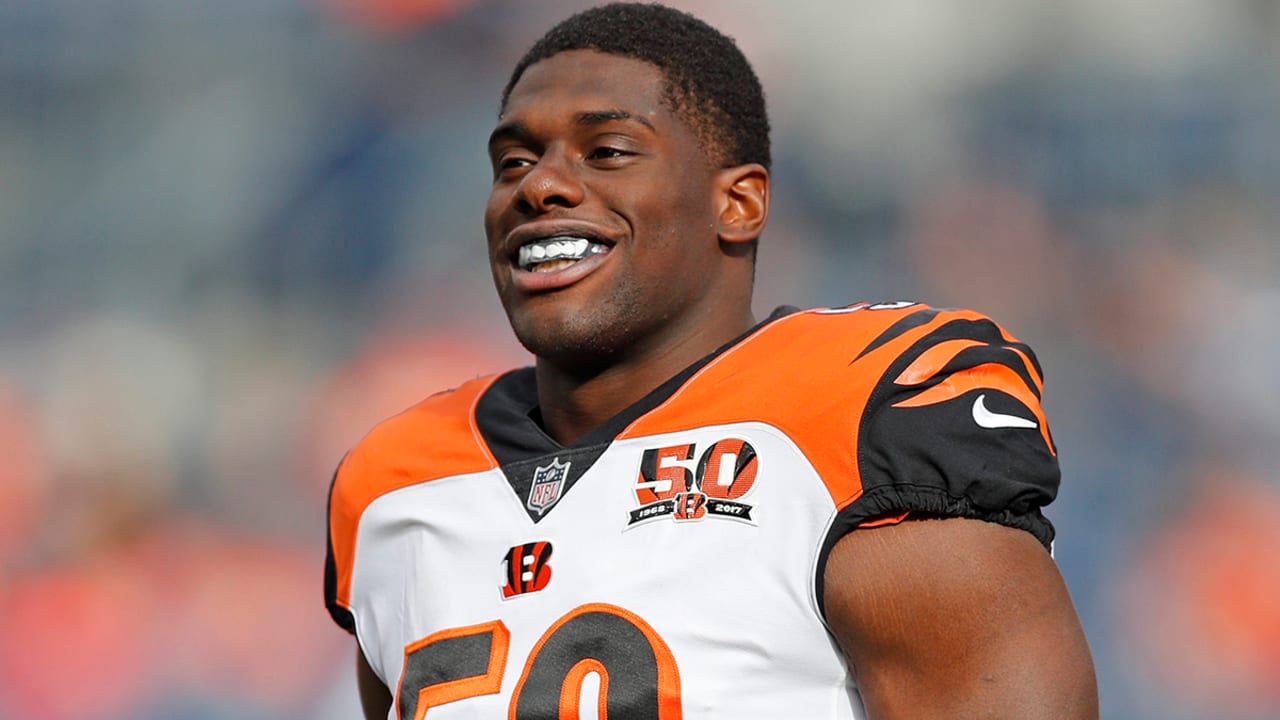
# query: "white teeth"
557,248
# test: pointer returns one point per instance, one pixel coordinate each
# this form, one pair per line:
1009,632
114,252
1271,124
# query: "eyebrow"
518,130
508,130
596,117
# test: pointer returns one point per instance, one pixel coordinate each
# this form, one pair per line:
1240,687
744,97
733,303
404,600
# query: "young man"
680,512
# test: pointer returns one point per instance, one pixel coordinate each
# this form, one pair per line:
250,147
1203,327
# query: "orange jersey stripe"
991,376
933,360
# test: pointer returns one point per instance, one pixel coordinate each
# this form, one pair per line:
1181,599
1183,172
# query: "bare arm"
949,618
375,699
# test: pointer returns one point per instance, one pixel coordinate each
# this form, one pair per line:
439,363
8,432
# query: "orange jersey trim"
436,438
893,519
571,689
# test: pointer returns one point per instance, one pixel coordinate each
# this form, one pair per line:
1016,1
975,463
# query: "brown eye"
607,153
511,163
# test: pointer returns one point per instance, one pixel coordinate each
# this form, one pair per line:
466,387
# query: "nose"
550,183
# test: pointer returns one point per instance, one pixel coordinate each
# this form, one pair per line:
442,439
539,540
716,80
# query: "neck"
576,400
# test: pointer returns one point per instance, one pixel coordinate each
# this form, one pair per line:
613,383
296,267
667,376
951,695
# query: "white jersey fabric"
668,565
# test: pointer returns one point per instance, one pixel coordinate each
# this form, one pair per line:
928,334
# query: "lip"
537,282
533,282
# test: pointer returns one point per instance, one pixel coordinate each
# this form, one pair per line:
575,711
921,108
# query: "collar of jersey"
508,416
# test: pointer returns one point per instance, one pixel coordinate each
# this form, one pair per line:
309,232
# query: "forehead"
576,80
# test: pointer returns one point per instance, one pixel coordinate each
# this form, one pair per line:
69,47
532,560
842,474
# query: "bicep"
957,618
375,699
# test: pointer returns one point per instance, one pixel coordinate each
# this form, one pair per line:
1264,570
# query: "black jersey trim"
983,329
340,615
891,500
505,418
914,320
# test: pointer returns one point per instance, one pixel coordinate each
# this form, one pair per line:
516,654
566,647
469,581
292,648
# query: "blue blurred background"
234,235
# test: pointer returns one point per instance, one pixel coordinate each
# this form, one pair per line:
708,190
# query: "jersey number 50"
638,675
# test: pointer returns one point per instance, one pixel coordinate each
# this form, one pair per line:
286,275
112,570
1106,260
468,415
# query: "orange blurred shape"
394,16
1206,611
24,480
73,645
386,377
1236,584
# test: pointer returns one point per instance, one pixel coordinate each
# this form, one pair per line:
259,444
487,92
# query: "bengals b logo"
527,569
690,506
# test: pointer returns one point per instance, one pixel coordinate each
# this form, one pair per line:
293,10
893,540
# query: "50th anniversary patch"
677,481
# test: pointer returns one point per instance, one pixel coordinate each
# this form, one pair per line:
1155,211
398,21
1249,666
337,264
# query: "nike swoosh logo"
987,419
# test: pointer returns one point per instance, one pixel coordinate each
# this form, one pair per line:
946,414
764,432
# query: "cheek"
492,217
681,215
670,202
693,194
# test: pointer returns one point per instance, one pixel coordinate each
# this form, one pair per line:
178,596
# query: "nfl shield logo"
548,483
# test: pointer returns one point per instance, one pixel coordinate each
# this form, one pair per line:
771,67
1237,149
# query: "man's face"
601,219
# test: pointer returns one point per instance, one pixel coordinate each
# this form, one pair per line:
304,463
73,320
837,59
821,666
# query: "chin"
571,342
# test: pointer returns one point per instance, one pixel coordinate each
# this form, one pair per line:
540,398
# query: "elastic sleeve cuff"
899,501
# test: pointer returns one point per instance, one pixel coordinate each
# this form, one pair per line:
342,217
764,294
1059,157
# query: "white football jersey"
669,564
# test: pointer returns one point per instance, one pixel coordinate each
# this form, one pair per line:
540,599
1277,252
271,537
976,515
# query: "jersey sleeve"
433,439
954,427
339,611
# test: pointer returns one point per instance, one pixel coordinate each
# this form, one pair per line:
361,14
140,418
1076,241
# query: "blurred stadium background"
233,235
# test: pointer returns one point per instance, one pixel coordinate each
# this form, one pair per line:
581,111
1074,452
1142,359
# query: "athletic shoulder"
433,439
921,410
437,437
900,407
953,424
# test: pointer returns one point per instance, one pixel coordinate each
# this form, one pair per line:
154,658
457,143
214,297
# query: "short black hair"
709,83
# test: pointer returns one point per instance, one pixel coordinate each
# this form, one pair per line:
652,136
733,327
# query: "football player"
680,511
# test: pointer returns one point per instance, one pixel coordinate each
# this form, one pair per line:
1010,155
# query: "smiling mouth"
546,255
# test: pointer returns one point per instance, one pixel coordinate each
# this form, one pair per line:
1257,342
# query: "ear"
742,202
